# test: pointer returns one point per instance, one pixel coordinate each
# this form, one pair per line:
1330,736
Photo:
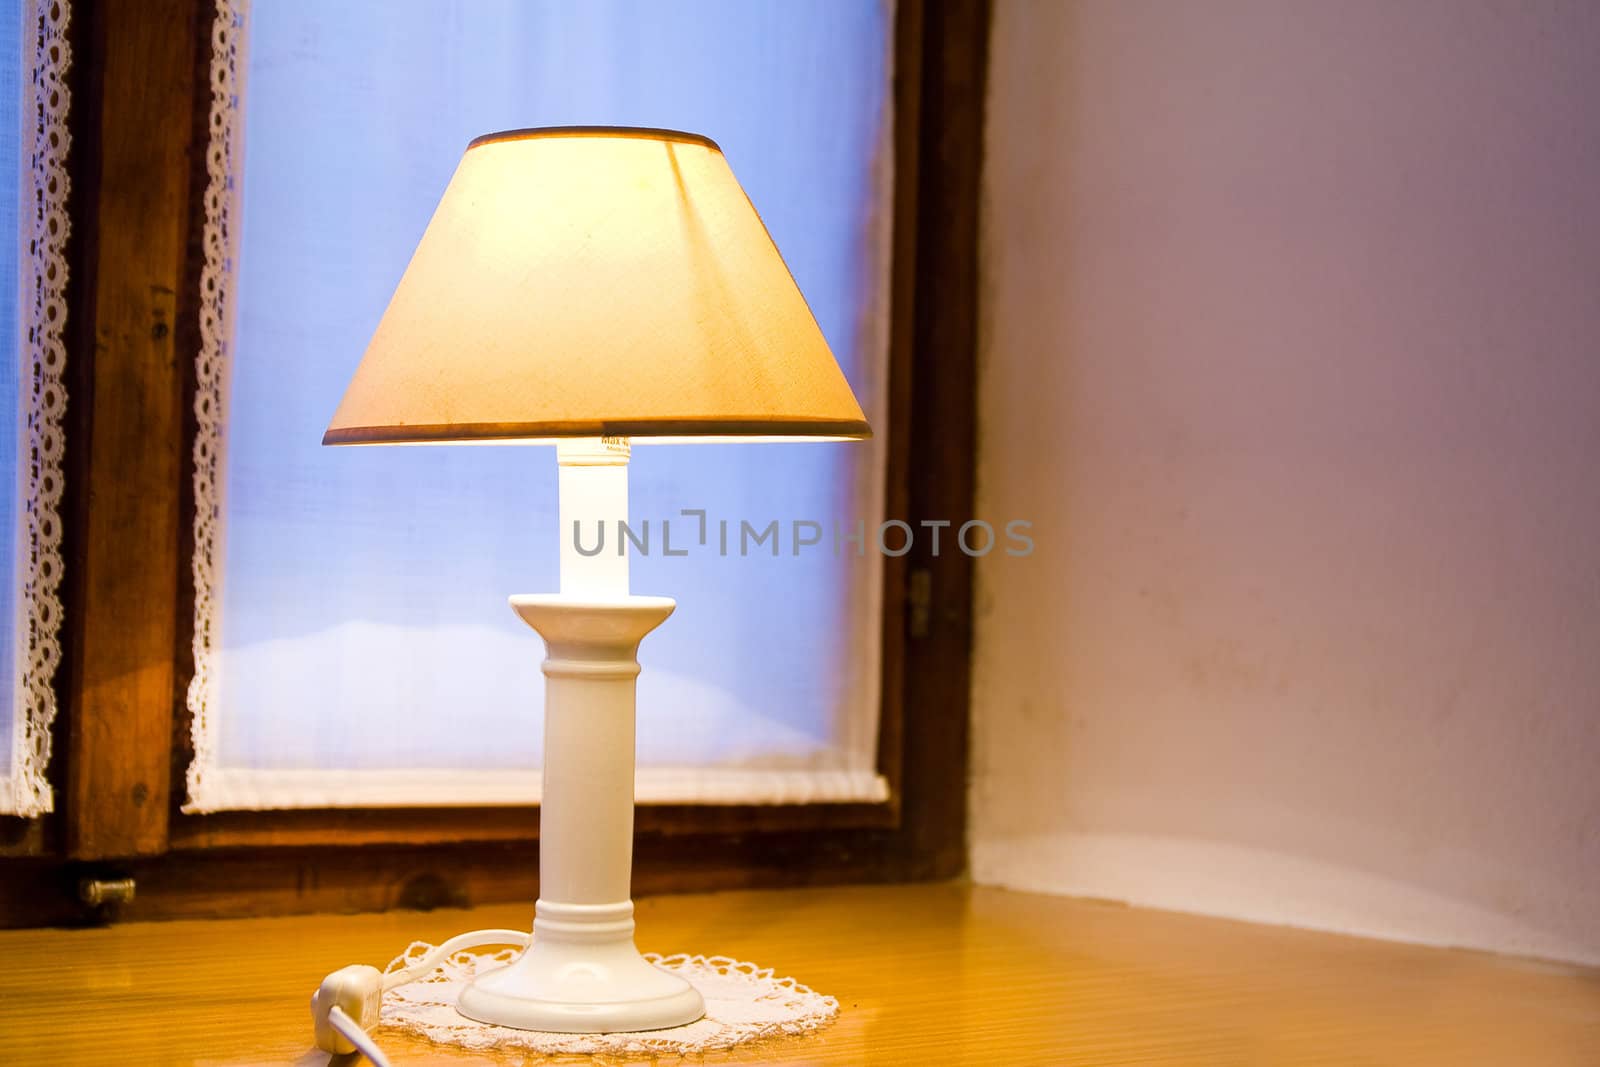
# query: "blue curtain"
10,346
364,622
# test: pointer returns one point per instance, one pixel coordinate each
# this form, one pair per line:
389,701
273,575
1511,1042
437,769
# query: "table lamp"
587,287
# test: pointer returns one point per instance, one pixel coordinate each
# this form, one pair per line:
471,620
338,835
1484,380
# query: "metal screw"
97,891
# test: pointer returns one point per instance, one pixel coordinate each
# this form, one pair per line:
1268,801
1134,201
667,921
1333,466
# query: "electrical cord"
359,1039
348,1002
458,943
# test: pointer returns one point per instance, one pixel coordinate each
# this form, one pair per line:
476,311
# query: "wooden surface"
123,577
924,974
934,436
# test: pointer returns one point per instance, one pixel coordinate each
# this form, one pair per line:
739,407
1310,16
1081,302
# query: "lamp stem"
581,972
592,487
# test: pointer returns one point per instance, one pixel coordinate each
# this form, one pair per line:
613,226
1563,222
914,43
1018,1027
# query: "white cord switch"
357,990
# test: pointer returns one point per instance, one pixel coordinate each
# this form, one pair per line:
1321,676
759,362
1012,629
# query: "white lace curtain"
353,645
34,56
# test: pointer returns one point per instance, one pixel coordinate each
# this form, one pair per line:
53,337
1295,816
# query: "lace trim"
223,156
43,225
744,1003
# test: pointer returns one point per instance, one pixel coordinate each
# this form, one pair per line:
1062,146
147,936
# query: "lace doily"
43,223
743,1003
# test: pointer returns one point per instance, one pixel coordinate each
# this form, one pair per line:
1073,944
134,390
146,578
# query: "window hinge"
919,598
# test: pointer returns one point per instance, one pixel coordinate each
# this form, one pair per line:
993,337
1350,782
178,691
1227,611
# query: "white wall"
1291,350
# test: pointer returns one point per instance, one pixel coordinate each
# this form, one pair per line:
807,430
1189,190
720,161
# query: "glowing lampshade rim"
643,133
641,431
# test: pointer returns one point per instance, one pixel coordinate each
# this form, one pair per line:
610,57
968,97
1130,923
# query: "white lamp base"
582,973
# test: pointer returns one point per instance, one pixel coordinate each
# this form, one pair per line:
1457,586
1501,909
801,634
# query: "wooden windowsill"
924,974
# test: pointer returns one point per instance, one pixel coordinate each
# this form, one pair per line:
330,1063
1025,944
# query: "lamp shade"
589,281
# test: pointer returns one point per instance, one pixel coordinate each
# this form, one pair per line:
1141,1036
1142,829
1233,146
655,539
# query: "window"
353,619
150,341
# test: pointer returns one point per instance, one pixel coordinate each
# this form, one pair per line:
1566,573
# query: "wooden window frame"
141,134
